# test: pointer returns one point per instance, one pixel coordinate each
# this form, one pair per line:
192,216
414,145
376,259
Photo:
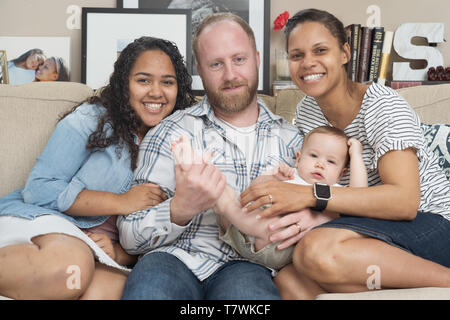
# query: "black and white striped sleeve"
391,124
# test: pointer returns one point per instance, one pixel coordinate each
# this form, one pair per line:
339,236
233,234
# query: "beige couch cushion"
28,114
392,294
432,102
287,100
269,101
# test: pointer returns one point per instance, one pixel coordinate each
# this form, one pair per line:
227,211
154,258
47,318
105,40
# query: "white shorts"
14,230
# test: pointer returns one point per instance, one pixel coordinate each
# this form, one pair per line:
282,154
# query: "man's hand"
196,190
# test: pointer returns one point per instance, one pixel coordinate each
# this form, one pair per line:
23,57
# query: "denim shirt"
66,167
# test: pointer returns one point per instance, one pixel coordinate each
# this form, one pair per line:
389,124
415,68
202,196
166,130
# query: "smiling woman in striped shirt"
400,223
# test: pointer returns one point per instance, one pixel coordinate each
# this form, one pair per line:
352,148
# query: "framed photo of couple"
255,12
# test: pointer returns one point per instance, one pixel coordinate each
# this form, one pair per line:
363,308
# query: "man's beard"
231,103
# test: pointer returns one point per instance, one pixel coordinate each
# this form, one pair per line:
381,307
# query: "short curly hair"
115,96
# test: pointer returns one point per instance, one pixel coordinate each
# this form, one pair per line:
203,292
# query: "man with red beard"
182,255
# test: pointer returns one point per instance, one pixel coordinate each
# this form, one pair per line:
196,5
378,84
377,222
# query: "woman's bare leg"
295,286
107,284
55,266
341,260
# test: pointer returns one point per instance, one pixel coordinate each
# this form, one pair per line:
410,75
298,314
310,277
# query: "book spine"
348,32
366,39
375,55
385,56
404,84
356,39
358,48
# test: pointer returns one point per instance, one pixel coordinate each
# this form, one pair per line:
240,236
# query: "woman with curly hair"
58,237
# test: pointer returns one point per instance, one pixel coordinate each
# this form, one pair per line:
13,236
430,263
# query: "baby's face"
322,159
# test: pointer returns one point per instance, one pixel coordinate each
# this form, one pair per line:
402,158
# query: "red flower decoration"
280,21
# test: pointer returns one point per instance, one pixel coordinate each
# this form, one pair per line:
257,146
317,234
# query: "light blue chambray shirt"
197,244
66,167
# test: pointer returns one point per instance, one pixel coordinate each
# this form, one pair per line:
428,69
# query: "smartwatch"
322,192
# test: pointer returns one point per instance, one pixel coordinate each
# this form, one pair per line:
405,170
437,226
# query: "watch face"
322,191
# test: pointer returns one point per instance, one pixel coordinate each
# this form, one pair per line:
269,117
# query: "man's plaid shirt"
197,244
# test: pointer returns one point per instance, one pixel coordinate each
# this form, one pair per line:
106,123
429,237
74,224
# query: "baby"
324,156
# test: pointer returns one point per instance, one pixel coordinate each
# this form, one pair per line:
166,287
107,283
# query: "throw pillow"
438,139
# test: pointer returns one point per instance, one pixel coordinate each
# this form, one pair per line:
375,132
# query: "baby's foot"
183,153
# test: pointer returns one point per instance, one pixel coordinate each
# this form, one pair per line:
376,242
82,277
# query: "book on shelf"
353,32
406,84
385,56
370,49
375,53
364,56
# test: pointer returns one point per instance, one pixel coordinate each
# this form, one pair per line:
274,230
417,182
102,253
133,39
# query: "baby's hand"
285,172
282,172
104,242
355,147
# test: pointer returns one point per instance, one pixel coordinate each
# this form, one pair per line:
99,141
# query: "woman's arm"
98,203
397,198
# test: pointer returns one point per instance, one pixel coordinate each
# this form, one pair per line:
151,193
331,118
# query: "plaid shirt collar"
204,109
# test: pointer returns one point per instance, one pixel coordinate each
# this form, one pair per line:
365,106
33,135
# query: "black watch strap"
322,192
320,205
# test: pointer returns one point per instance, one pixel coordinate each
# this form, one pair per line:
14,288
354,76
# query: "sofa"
28,114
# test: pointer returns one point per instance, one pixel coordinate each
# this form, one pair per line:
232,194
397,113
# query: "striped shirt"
386,122
197,244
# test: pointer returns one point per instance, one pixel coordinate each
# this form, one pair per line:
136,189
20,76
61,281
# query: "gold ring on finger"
270,198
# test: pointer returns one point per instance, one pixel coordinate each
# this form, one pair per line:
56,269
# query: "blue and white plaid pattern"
197,244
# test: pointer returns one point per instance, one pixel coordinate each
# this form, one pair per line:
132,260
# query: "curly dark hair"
115,97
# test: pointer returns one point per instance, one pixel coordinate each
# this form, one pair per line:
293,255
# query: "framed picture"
106,31
3,67
28,55
256,12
